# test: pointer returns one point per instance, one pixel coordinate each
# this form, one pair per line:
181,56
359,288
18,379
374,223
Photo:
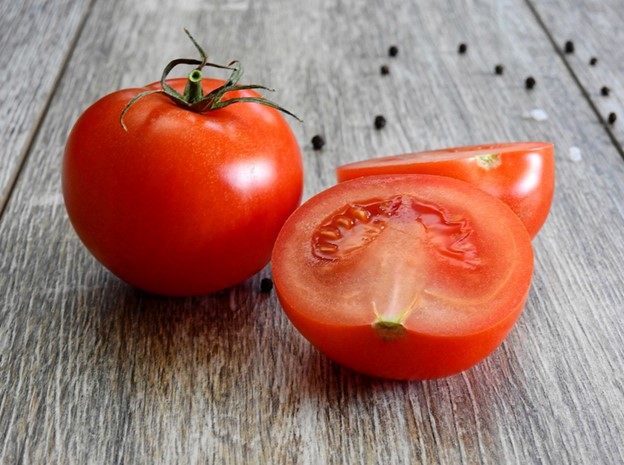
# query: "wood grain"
94,372
591,27
35,39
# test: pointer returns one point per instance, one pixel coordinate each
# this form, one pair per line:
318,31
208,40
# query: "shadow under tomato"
158,345
330,383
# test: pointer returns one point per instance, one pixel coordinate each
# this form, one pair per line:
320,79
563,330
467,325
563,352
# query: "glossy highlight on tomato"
403,276
521,174
182,203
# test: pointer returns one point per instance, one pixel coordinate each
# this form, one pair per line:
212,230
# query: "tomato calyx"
193,98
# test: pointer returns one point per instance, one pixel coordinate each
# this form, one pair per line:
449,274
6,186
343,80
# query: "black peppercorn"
380,122
593,61
499,69
266,285
318,142
569,47
462,48
612,118
605,91
393,51
530,82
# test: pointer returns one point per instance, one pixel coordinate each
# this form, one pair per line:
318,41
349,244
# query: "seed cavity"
358,224
352,227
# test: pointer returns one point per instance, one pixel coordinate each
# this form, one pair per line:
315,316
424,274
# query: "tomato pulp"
521,174
182,203
404,277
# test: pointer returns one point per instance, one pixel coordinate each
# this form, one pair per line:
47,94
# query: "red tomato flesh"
521,174
404,277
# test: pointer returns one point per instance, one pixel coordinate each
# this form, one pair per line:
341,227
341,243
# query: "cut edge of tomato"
486,154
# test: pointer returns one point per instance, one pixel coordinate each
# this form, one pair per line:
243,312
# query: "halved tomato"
521,174
405,276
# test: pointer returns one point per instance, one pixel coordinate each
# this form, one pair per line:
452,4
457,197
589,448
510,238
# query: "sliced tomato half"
403,276
521,174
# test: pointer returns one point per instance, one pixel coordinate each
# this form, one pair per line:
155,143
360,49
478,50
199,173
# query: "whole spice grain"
318,142
593,61
612,118
529,83
569,47
499,69
266,285
384,69
393,51
380,122
605,91
463,48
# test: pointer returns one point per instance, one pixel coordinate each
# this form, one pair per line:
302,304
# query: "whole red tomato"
521,174
181,202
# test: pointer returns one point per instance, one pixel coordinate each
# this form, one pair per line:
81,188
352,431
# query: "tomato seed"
331,234
499,69
530,82
360,213
593,61
612,118
380,122
384,70
266,285
462,48
393,51
569,47
605,91
327,248
343,222
318,142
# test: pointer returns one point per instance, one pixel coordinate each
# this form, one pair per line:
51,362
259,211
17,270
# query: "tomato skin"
182,203
416,357
340,323
524,178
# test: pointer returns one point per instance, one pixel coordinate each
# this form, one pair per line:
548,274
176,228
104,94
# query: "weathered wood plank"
35,39
592,26
95,372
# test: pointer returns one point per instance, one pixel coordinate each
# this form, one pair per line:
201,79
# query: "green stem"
193,91
193,98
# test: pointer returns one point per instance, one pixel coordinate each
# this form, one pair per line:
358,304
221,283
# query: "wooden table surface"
95,372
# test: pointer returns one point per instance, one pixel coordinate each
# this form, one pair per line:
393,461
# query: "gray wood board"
35,39
96,372
593,27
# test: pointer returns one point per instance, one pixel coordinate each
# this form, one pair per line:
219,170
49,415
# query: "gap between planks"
575,78
30,141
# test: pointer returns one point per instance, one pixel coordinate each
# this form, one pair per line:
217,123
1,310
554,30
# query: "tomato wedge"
403,276
521,174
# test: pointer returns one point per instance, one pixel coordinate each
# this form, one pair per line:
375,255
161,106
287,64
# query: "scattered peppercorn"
605,91
380,122
569,47
266,285
393,51
612,118
593,61
499,69
462,48
530,82
318,142
384,69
